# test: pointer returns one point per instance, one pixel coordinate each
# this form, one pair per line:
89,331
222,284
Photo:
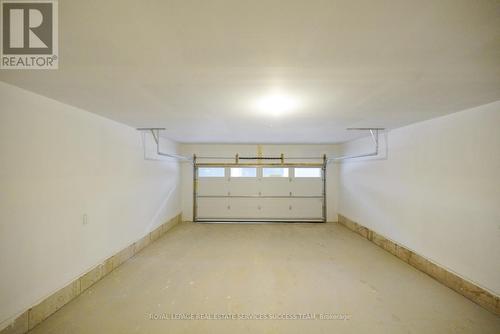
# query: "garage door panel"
307,187
243,187
290,208
260,198
275,208
213,208
212,186
246,207
306,207
275,186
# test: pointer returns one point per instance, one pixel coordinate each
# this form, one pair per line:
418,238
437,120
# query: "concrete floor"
268,269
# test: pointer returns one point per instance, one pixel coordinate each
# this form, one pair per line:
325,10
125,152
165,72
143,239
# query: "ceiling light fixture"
276,104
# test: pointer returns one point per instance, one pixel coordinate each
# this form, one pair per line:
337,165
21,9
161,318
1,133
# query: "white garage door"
259,193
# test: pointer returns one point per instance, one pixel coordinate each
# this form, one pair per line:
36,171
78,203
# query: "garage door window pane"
275,172
243,172
307,172
210,172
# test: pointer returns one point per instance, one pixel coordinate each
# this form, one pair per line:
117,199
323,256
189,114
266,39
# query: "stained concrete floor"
274,270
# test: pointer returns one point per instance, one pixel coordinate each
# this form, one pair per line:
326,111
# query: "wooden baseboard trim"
466,288
38,313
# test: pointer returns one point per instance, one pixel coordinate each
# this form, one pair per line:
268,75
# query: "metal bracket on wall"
374,132
156,136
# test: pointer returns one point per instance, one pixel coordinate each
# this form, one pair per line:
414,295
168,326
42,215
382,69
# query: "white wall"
223,150
58,163
437,193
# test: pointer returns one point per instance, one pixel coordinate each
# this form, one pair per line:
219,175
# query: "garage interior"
255,167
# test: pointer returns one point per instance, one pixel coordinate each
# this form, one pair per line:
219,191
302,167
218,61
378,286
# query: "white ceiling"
197,67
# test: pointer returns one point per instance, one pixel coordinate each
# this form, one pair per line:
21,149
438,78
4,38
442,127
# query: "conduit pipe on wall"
374,132
156,135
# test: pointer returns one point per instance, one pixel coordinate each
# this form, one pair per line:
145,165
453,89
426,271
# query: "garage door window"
307,172
243,172
211,172
275,172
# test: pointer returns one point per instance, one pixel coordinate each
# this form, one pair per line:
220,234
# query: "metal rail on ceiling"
257,164
232,158
374,132
262,160
258,161
156,135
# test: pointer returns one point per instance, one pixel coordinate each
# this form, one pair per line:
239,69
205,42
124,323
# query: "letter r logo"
27,28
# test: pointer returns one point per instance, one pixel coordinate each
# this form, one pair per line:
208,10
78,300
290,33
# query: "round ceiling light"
276,104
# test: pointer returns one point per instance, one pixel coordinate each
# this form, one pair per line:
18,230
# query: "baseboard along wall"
464,287
38,313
